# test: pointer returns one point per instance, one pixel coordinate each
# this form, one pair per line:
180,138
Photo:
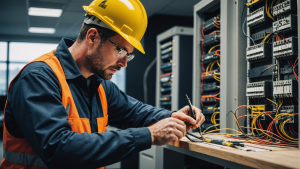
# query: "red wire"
282,37
294,70
291,130
294,130
292,102
260,140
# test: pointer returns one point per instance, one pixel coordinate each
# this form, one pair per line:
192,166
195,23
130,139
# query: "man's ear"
91,36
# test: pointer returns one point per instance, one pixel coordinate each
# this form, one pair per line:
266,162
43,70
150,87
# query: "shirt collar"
66,60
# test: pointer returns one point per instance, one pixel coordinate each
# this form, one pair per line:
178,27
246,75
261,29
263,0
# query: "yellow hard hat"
126,17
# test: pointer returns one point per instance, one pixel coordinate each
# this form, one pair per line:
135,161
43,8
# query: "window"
3,68
26,52
20,54
119,79
3,51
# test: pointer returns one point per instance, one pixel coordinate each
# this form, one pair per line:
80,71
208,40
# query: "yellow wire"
216,25
272,101
213,48
218,16
263,41
280,104
281,126
252,2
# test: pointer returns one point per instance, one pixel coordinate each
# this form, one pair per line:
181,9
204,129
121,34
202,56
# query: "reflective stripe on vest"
22,158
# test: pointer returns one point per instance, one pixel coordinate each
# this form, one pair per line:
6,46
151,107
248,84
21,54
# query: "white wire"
244,31
145,80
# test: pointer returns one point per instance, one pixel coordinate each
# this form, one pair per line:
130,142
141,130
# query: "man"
59,105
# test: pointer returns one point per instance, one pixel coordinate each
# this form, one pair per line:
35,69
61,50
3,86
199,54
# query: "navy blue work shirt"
34,111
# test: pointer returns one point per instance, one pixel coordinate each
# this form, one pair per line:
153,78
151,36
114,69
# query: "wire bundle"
294,66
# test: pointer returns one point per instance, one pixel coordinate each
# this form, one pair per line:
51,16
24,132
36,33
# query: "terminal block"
166,80
167,57
290,110
208,99
285,88
261,35
259,52
212,38
288,23
165,100
257,17
258,109
284,7
209,24
207,75
259,89
207,87
166,45
209,57
164,51
209,110
166,67
166,90
285,48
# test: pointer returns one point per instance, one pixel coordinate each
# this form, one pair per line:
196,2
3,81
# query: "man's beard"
95,64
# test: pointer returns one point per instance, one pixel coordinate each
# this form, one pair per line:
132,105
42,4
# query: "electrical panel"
272,65
257,17
259,51
285,88
258,109
287,23
211,38
174,52
290,110
259,89
285,48
284,7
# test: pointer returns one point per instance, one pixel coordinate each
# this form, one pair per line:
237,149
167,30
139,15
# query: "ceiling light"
41,30
44,12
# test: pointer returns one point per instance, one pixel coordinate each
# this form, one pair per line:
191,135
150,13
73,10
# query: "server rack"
232,64
173,72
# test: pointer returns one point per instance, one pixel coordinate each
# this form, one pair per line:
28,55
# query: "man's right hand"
167,130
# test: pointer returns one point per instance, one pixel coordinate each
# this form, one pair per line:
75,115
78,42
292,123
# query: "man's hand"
167,130
184,114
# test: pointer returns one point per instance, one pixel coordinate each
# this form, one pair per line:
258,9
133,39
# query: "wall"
136,68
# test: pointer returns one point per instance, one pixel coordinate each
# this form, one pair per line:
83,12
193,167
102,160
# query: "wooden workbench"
275,157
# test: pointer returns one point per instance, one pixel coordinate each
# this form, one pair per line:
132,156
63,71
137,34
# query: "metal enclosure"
182,47
233,62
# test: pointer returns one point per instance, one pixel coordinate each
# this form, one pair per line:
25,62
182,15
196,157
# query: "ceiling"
14,19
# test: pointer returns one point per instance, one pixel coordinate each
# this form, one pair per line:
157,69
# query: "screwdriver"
193,115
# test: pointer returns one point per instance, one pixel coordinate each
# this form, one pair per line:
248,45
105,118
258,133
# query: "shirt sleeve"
43,121
124,111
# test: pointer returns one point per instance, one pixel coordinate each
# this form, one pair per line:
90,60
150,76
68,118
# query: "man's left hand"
184,114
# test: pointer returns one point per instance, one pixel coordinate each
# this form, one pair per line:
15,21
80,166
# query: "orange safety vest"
17,153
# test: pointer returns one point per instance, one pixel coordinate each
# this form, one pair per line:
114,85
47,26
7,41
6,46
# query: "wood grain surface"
277,158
